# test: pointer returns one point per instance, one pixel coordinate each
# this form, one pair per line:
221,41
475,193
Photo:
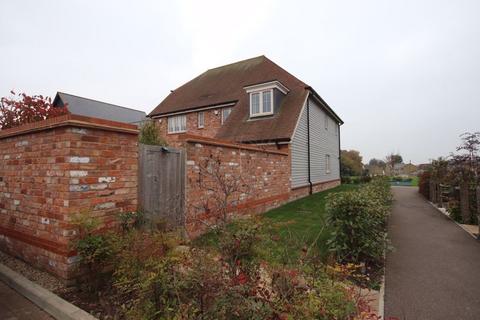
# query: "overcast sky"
403,75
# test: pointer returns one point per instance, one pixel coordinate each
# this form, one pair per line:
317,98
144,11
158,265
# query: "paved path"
14,306
434,270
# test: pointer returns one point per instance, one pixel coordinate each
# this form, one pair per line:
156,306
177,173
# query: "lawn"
285,231
406,182
415,181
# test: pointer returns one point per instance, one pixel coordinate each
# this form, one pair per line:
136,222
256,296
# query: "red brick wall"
266,172
53,169
213,122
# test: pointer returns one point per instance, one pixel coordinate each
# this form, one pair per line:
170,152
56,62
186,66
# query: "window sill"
178,132
262,117
259,115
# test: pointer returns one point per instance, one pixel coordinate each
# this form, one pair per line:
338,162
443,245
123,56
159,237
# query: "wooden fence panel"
162,185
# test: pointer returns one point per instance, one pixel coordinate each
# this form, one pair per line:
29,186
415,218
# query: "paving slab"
14,306
434,270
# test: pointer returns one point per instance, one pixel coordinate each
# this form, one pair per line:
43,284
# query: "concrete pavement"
14,306
434,270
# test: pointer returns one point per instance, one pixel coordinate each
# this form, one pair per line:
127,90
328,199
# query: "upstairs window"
201,119
225,113
177,124
261,103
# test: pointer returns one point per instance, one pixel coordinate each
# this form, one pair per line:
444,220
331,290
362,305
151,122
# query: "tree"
351,163
464,171
224,189
377,163
24,109
376,167
150,134
391,160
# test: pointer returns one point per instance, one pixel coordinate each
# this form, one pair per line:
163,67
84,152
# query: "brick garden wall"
51,170
267,174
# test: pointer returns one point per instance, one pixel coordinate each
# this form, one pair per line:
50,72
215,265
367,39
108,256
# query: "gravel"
42,278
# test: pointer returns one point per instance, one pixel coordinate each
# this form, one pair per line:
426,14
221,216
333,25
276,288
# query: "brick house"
258,103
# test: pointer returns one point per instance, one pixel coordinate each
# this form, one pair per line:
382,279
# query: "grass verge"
286,231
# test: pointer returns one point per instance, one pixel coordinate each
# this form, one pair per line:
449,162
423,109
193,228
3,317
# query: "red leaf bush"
22,109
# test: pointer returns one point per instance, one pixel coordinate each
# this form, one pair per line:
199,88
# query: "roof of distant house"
98,109
226,86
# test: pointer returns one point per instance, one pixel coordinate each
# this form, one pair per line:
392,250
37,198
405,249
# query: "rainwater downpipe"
310,191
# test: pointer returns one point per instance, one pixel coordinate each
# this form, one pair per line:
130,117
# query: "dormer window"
263,96
261,103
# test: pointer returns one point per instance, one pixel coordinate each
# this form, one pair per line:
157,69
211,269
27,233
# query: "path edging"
448,216
46,300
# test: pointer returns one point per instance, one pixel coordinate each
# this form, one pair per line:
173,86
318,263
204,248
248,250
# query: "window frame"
328,168
223,110
261,108
200,115
182,116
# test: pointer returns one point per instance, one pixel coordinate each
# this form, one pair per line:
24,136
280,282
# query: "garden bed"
274,266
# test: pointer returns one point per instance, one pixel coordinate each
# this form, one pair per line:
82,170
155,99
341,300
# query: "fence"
462,200
162,185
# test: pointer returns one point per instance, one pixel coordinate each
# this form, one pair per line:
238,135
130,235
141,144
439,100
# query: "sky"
403,75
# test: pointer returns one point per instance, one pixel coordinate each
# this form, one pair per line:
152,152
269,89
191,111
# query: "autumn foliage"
22,109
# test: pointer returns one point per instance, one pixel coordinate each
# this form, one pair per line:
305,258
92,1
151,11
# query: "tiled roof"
97,109
226,84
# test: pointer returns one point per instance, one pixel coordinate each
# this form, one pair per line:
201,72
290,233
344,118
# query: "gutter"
326,106
339,155
310,191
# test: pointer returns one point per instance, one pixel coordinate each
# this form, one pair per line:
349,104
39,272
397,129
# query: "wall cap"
70,120
228,144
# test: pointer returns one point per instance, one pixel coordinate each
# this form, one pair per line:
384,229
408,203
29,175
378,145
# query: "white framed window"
225,113
201,119
327,163
326,122
177,124
261,103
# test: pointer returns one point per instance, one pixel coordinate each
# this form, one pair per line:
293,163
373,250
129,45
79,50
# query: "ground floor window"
327,163
177,124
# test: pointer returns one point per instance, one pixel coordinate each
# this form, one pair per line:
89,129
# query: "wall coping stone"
227,144
70,120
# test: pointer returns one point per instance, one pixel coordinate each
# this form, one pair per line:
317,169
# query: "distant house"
97,109
257,102
410,169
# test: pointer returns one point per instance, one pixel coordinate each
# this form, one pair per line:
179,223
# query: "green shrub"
150,134
158,279
358,221
454,211
94,250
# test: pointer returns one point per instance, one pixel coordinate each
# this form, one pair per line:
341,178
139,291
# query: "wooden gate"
162,185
